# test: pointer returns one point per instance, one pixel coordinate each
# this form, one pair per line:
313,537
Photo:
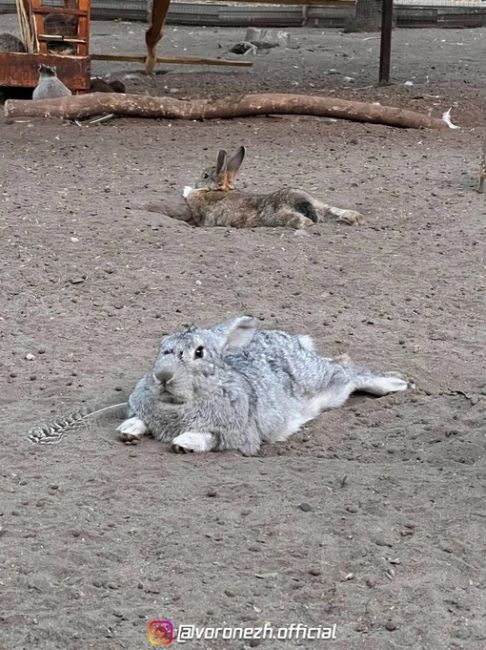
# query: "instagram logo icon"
160,633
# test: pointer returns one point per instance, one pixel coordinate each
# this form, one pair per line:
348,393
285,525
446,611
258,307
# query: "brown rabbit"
214,202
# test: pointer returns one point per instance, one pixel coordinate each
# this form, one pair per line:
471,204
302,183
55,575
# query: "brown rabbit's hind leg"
290,218
350,217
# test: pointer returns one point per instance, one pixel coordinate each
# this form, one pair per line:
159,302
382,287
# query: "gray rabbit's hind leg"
132,430
382,384
290,218
194,441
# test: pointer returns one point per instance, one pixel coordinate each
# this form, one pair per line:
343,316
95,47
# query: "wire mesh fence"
413,13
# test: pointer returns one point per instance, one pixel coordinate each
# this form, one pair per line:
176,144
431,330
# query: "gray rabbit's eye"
199,352
205,175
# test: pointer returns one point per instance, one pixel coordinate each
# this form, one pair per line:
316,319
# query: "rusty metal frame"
19,69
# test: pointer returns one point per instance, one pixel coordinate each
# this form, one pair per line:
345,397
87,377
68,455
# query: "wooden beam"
186,60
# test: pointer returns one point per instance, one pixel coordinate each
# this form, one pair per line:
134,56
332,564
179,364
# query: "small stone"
76,280
305,507
380,540
315,571
229,593
408,529
29,356
351,508
211,493
391,625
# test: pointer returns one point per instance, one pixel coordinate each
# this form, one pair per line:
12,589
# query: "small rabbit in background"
61,25
215,202
10,43
235,387
49,85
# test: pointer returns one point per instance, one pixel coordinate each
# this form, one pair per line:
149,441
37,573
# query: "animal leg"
350,217
374,383
194,441
289,218
132,430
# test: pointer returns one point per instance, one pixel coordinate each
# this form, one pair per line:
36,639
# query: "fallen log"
82,106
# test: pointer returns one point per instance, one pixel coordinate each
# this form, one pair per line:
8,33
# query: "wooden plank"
83,27
59,39
186,60
65,11
21,70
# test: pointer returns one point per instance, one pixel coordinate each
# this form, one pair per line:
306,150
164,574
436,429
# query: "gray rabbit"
215,202
49,85
235,387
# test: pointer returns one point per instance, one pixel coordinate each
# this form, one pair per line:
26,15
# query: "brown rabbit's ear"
234,163
221,161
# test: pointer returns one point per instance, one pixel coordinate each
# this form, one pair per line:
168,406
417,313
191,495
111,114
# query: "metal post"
385,45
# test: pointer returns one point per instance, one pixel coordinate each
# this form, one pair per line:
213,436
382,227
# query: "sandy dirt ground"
372,517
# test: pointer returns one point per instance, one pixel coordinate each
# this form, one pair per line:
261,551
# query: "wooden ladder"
81,10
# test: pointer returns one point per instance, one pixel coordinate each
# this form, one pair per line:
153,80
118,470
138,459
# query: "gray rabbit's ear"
236,332
221,161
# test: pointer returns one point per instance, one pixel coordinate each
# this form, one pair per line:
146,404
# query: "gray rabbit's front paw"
132,430
193,441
